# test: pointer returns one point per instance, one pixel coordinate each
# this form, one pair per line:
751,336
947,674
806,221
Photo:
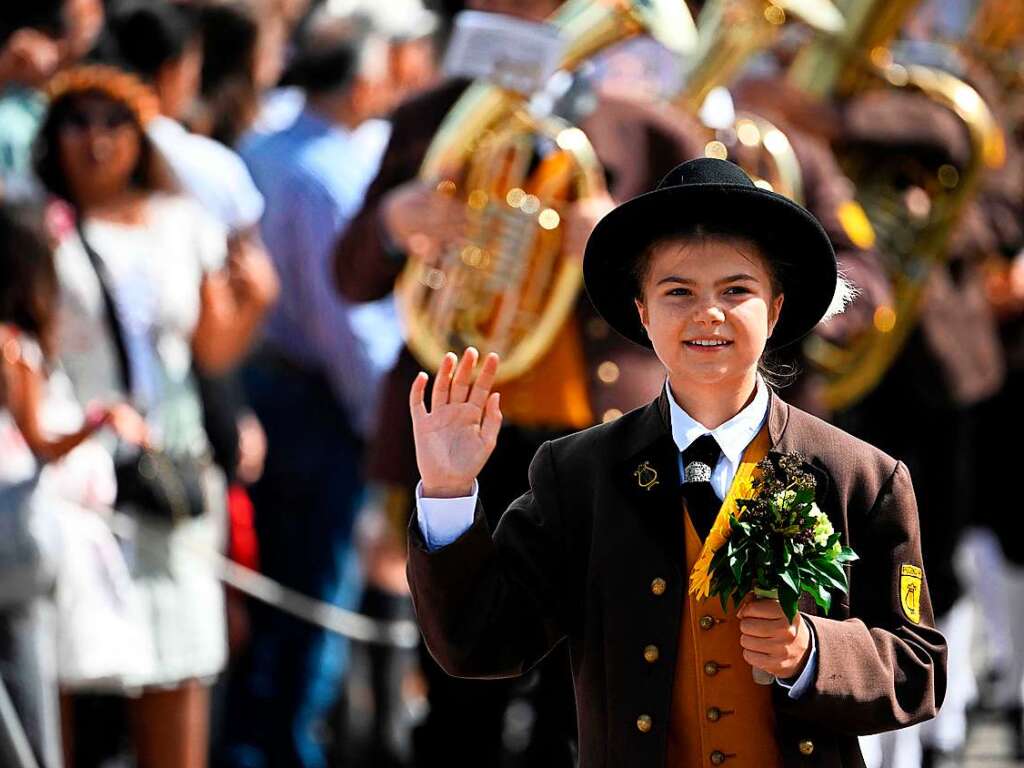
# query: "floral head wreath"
110,81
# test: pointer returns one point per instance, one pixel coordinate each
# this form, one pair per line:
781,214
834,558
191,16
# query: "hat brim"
787,233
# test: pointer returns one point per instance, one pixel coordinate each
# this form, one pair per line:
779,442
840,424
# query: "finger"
482,386
417,407
763,645
763,609
759,660
463,376
442,382
492,420
763,627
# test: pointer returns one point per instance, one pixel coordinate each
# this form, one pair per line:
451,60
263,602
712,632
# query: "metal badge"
646,476
697,472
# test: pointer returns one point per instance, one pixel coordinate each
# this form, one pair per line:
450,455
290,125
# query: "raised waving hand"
457,436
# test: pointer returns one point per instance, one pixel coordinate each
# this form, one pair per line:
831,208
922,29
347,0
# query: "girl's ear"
774,312
641,308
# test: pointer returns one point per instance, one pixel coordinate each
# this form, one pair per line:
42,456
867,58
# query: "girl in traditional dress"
710,271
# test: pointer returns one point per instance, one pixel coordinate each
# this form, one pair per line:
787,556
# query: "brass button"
643,723
806,747
658,586
706,622
711,668
651,654
714,714
717,757
608,372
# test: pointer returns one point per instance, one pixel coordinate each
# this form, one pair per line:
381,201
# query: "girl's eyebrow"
730,279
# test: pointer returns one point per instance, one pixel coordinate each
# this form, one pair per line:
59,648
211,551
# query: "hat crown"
706,170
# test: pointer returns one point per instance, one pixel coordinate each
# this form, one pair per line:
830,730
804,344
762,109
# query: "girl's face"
708,307
99,146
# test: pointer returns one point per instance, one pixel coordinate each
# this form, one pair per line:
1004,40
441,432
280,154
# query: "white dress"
156,268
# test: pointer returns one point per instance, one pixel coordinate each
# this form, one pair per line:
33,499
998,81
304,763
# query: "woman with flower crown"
612,548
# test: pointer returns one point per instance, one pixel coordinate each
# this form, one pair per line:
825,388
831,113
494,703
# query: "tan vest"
720,716
553,393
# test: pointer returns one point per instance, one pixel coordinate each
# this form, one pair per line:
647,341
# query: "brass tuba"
912,206
729,33
506,285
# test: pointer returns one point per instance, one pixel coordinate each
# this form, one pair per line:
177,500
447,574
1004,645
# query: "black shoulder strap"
116,329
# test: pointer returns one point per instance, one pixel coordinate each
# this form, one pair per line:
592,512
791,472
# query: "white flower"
783,499
822,525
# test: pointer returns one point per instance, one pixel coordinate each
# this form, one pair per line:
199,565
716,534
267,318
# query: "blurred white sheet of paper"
511,53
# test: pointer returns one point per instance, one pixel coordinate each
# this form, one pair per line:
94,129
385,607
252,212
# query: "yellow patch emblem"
856,225
910,591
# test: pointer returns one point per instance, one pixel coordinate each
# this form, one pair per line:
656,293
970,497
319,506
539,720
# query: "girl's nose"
709,313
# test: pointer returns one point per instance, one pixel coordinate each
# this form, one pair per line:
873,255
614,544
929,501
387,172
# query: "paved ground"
989,746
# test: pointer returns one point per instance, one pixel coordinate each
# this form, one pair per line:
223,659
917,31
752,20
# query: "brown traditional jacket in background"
924,409
636,142
590,557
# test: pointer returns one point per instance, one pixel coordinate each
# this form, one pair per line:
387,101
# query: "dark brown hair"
701,233
149,173
28,278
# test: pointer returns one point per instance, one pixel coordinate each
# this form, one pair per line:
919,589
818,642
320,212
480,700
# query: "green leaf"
821,595
737,564
788,601
791,579
833,571
847,556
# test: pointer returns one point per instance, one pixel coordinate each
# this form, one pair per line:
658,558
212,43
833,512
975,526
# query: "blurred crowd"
206,209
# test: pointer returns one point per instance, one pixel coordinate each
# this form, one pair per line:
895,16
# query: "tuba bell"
730,32
506,285
912,206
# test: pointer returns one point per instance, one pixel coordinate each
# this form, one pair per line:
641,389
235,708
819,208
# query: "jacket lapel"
649,479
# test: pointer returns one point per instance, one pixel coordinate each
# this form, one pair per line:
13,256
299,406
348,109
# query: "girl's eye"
679,292
737,290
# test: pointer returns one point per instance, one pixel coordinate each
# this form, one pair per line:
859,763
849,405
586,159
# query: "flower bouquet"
777,544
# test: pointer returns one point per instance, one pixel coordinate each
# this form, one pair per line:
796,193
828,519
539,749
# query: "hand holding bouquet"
778,543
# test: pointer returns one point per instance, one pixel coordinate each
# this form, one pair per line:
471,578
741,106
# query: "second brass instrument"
507,285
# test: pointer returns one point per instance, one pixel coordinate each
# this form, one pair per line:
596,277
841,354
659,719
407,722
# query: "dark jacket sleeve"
491,606
878,670
364,268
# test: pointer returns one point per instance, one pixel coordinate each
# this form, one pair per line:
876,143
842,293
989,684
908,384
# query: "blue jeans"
290,675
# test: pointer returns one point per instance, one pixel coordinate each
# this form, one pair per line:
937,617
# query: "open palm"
456,437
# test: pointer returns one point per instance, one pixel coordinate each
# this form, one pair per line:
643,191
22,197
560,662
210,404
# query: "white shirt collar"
733,436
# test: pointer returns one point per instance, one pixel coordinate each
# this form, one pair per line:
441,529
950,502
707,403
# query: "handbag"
152,482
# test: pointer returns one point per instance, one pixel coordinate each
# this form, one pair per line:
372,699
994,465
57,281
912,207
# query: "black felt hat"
719,196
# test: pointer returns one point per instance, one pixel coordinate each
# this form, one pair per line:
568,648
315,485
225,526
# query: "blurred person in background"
147,284
244,45
313,385
47,462
162,42
36,39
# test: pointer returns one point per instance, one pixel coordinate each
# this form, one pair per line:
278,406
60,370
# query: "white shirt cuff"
806,679
442,521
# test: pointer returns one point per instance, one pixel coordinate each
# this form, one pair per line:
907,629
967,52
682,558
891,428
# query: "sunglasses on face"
108,120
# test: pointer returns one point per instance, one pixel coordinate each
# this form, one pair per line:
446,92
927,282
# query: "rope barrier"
355,626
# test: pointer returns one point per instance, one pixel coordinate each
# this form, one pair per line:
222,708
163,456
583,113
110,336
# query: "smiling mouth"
707,344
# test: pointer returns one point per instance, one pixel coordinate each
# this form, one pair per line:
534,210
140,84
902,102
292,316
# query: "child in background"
40,424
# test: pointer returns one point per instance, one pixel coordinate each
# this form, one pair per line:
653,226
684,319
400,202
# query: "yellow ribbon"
742,488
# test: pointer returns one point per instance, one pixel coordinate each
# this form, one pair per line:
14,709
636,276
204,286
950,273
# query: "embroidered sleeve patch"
910,591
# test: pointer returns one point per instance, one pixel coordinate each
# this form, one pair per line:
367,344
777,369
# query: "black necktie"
702,503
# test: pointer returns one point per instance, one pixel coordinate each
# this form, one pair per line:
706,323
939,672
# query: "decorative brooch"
646,476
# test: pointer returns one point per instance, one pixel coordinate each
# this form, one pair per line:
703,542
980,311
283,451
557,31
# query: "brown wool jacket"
575,557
